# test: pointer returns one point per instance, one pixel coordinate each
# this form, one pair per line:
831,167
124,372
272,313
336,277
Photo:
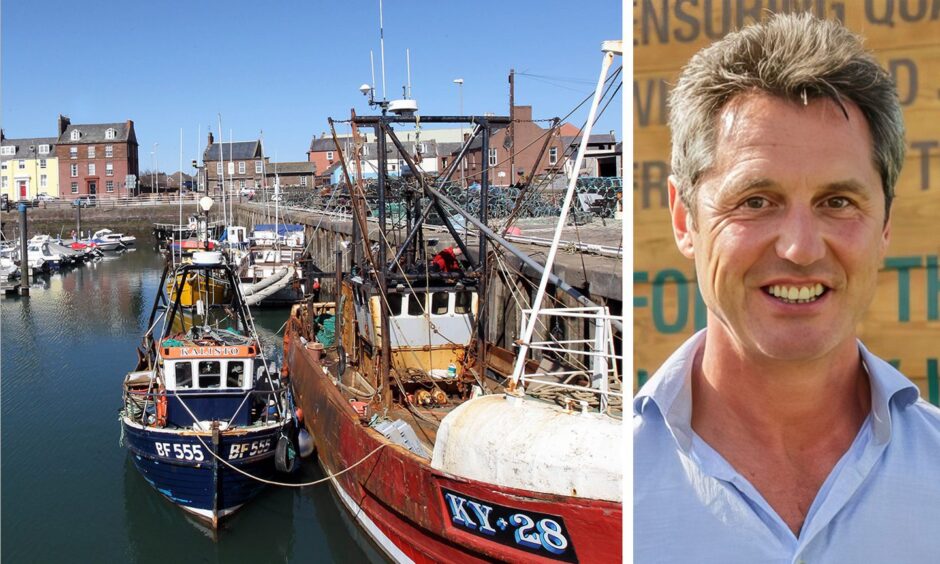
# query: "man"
773,435
446,260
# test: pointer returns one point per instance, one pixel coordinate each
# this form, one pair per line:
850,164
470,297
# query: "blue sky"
284,67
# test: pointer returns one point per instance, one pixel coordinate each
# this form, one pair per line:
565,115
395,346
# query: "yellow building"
28,168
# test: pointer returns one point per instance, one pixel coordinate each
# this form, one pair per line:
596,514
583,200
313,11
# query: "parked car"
89,201
43,197
4,202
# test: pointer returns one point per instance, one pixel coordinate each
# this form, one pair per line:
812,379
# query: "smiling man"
773,435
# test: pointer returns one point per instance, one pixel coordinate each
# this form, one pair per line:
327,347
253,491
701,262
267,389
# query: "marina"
406,348
64,466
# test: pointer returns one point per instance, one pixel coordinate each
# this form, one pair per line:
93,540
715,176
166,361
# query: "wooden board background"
903,324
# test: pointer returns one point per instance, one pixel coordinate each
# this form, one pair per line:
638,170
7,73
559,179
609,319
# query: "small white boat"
108,235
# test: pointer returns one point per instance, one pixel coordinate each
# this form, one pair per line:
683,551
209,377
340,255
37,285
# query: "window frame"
73,152
492,158
73,170
109,169
109,151
92,170
241,167
553,155
109,186
91,151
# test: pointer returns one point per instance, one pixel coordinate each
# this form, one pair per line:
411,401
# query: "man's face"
790,227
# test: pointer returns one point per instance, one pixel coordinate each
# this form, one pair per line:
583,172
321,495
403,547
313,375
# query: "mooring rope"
329,476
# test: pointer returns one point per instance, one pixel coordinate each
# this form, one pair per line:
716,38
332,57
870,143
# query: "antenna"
408,64
382,43
372,66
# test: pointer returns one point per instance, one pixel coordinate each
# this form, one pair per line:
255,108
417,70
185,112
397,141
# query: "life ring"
161,410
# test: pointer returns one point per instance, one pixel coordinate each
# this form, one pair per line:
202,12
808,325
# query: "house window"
553,155
241,167
109,186
303,181
44,149
8,150
492,157
22,165
109,151
74,168
109,169
91,169
76,135
257,167
91,151
329,156
241,184
73,152
3,166
43,181
109,134
6,182
231,167
42,163
75,187
218,168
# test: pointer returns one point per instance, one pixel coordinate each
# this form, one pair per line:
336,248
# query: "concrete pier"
597,276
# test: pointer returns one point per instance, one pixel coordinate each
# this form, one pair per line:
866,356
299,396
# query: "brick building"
99,158
528,140
292,174
240,163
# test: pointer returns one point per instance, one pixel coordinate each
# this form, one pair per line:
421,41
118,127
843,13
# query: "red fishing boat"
442,447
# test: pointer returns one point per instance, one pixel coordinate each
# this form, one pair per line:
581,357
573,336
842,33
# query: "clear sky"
284,67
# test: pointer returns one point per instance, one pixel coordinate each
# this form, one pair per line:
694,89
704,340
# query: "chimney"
211,139
64,122
522,113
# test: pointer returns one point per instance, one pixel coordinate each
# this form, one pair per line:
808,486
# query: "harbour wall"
597,277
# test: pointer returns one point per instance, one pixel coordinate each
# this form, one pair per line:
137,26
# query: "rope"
285,484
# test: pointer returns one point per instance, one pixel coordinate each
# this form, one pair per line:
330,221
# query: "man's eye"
755,203
838,202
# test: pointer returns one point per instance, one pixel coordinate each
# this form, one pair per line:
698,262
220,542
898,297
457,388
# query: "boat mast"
610,49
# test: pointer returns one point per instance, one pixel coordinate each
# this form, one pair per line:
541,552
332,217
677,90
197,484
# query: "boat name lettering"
180,452
208,351
253,448
533,532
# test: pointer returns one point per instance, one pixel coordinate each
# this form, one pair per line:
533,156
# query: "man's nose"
800,239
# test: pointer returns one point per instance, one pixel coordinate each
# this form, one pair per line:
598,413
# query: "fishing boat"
273,273
205,418
443,447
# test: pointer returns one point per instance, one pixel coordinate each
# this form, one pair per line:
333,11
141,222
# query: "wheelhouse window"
416,303
394,304
184,375
439,303
462,302
210,373
235,374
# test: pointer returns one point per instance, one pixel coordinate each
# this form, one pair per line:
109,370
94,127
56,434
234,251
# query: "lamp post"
459,83
156,176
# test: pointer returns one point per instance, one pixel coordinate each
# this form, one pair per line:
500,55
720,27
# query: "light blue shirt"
880,503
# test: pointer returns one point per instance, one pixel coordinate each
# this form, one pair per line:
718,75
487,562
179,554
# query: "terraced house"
28,167
240,164
98,158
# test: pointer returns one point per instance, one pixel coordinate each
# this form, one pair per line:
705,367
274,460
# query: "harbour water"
69,489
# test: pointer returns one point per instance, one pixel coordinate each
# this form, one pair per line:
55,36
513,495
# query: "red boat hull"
400,500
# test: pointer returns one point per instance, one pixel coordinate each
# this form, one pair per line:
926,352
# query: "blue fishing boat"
206,419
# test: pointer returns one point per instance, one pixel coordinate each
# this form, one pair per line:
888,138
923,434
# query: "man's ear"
681,221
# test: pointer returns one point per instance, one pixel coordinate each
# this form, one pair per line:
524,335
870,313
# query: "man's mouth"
796,294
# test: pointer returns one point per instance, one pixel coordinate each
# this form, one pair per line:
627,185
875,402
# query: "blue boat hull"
179,466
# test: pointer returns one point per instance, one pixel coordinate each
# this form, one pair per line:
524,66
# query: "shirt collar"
670,390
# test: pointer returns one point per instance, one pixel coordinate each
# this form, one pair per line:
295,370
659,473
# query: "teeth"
796,294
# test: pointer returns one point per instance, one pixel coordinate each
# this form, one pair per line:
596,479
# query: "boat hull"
416,513
179,466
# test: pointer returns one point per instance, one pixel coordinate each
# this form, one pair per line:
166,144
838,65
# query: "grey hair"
791,56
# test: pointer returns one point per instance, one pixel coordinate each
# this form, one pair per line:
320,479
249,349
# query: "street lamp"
156,177
459,83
